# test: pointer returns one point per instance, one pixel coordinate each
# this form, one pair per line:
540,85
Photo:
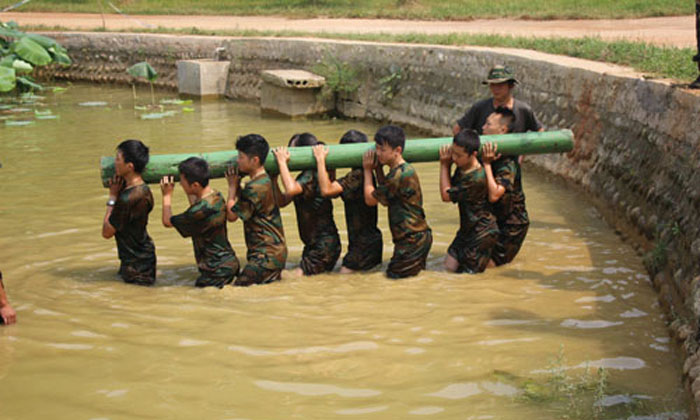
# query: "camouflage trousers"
142,273
410,255
510,240
364,256
219,277
256,274
321,255
473,249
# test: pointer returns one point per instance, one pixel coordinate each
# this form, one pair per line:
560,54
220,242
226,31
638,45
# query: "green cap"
500,74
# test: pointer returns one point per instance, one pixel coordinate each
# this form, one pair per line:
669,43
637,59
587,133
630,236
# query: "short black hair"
507,117
353,136
392,135
195,169
467,139
253,145
303,139
134,152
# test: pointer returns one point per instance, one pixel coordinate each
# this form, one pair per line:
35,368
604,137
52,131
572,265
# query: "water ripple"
311,389
597,323
342,348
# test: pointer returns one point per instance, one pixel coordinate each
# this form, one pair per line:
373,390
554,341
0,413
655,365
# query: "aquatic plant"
143,70
341,78
21,52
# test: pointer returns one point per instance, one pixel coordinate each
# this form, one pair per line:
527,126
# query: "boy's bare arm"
445,165
116,185
234,188
328,188
368,165
488,155
291,186
167,185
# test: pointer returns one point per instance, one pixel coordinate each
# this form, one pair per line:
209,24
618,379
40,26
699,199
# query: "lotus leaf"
29,83
7,79
144,70
32,52
94,103
46,117
22,66
13,123
157,115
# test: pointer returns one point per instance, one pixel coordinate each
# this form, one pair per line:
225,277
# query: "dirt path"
676,31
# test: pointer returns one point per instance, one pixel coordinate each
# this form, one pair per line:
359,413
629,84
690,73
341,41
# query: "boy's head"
252,152
465,146
194,174
353,136
390,141
303,139
132,156
499,122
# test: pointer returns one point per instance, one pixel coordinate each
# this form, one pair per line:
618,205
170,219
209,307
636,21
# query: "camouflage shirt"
264,234
205,222
129,218
314,212
470,192
401,192
361,219
510,209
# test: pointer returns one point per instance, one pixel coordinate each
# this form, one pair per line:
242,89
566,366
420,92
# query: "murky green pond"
512,343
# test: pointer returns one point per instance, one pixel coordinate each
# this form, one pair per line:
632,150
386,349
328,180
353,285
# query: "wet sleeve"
387,190
308,184
353,185
192,221
246,205
119,218
459,191
505,175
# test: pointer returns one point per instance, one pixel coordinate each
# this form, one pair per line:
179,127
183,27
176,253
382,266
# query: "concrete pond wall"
637,152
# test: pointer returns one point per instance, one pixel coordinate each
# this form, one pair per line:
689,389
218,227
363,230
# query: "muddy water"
439,345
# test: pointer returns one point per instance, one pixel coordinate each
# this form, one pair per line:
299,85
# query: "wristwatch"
111,202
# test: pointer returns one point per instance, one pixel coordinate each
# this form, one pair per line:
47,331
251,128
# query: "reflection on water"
441,345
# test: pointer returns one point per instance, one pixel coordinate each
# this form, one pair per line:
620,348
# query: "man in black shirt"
501,82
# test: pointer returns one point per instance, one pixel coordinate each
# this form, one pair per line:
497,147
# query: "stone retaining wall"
637,141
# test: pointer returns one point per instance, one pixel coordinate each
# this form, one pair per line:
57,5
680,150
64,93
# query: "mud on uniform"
264,234
412,237
364,238
478,231
136,250
510,210
205,222
316,226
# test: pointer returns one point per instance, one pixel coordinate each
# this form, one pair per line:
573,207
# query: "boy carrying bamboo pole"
400,191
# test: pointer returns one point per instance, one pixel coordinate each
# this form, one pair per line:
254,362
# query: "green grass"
653,61
405,9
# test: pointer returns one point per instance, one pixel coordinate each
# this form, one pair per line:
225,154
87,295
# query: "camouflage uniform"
478,230
510,210
205,222
316,226
264,234
364,239
412,237
136,250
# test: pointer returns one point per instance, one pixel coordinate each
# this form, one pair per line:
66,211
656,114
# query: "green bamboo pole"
350,155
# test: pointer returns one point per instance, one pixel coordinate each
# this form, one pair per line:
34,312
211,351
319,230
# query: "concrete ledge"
295,93
296,79
202,77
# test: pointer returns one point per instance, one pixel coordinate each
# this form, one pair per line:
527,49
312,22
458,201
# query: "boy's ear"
400,149
130,166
